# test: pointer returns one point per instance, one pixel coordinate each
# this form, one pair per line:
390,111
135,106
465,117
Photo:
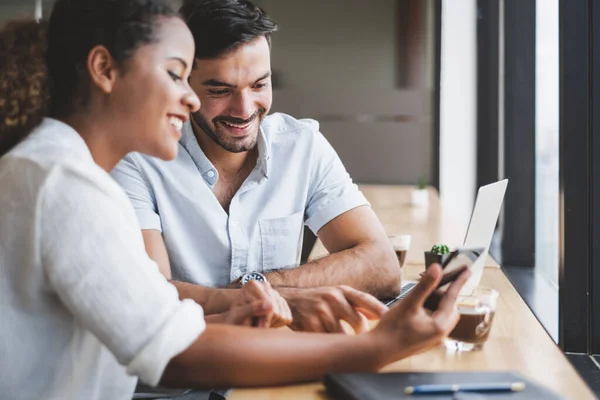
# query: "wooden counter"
427,226
517,341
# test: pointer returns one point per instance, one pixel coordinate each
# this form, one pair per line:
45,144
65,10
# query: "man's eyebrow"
265,76
181,60
214,82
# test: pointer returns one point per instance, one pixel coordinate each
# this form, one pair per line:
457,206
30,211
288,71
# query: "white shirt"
83,310
298,179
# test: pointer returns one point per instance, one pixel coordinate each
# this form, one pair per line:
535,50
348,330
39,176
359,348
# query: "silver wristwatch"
252,276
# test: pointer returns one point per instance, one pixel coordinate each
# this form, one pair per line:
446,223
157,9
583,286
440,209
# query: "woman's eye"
174,76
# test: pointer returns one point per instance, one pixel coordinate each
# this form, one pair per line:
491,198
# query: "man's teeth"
176,122
237,126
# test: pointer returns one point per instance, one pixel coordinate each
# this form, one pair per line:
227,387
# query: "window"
547,143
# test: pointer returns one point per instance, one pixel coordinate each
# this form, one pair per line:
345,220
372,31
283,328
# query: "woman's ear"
101,68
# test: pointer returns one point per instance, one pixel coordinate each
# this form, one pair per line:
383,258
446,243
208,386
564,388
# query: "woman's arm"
225,356
231,356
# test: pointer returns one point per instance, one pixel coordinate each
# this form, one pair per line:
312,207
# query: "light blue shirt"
298,179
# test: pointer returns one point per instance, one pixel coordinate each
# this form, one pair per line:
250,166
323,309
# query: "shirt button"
210,173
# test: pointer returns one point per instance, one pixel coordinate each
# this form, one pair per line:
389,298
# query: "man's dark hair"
222,26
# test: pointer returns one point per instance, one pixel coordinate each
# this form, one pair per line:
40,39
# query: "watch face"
253,276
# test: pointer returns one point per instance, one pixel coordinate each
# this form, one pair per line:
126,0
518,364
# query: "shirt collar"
190,144
264,152
207,169
68,138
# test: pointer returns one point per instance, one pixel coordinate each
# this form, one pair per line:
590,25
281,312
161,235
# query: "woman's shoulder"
52,150
52,142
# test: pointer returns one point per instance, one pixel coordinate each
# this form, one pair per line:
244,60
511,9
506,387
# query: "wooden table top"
517,341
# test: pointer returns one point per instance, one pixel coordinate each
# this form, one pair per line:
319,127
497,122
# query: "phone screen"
461,257
458,261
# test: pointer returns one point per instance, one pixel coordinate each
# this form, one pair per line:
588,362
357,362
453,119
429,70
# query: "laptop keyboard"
403,292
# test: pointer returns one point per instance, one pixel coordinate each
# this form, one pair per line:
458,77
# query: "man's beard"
233,145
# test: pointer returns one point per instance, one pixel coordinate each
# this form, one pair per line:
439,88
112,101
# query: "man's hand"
321,309
414,329
279,315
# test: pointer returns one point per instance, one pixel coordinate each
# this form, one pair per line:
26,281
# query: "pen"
466,387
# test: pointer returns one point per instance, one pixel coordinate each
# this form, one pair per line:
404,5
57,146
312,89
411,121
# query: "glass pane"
547,144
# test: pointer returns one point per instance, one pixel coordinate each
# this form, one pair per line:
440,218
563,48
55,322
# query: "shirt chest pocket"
281,240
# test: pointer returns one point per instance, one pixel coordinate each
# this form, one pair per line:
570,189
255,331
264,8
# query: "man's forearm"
212,300
370,267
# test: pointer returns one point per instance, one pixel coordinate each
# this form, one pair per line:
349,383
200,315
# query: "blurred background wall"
16,9
365,76
363,69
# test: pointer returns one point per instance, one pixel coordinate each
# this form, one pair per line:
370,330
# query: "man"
232,206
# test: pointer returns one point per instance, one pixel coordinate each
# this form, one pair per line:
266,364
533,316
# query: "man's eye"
174,76
218,92
260,86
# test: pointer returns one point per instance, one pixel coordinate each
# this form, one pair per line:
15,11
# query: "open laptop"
482,226
479,232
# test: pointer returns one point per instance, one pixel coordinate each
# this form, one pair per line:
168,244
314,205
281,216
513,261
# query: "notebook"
370,386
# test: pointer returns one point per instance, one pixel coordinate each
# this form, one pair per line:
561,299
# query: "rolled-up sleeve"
331,190
128,174
92,252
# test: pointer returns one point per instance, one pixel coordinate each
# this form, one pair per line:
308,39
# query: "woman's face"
151,98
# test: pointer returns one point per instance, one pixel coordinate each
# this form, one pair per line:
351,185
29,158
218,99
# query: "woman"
84,310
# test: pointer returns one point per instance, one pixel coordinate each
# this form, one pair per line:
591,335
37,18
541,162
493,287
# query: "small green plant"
440,249
422,183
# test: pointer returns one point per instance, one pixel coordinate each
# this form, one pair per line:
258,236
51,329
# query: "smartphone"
462,256
459,260
455,264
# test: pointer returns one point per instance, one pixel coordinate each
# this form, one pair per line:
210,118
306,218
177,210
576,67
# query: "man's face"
235,93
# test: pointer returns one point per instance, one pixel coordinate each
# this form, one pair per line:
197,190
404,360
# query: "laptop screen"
482,225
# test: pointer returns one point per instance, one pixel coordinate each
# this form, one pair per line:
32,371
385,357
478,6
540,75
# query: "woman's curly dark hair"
43,65
23,80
